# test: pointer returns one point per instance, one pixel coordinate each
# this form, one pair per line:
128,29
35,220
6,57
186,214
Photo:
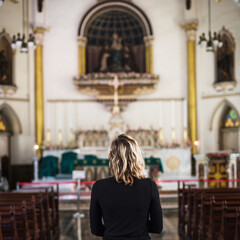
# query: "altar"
167,163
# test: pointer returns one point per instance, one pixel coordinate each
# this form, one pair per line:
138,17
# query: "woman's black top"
123,212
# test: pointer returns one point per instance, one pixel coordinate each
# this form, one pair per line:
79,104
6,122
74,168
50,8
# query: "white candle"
60,136
184,113
173,113
185,137
71,135
173,135
160,115
48,136
160,134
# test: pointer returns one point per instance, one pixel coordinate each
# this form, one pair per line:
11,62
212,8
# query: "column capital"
190,29
148,40
39,34
82,41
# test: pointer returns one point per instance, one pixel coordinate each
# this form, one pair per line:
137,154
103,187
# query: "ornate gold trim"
39,113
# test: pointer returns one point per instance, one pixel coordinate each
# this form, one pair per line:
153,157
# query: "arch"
12,118
102,7
221,107
225,62
6,59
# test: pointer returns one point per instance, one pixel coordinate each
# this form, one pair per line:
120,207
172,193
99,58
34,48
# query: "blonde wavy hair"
126,160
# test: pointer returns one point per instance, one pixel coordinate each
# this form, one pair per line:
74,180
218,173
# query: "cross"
115,83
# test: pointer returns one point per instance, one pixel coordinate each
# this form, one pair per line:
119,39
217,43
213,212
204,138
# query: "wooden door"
229,139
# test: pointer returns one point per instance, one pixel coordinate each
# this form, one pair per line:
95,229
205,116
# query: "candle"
173,113
185,137
184,113
160,134
173,135
48,136
160,115
71,135
60,136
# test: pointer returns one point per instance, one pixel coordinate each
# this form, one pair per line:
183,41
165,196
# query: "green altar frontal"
94,161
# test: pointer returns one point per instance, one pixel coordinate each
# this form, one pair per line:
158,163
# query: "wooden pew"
230,225
8,229
29,208
182,206
41,204
194,212
53,199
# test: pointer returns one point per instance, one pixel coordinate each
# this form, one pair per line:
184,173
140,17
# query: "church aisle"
68,226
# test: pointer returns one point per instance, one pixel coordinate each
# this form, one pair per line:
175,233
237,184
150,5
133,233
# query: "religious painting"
3,127
115,43
5,60
225,59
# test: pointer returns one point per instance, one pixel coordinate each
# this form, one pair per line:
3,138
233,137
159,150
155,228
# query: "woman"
125,206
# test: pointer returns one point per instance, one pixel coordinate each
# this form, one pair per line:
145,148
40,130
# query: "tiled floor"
68,226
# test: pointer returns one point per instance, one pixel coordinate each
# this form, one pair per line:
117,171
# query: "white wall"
226,14
20,101
66,108
61,59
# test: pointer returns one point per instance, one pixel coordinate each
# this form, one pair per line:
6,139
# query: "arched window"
6,59
115,43
229,130
231,119
3,127
225,58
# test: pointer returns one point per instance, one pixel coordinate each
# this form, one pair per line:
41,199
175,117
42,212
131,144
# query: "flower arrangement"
218,156
50,146
121,76
90,132
141,131
176,145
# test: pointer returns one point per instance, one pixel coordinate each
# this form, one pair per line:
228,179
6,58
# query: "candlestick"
160,115
185,136
60,136
173,135
71,135
184,113
48,136
160,135
173,113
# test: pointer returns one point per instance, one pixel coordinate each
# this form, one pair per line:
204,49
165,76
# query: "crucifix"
115,83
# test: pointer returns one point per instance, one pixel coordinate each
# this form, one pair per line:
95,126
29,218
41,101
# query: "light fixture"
20,42
214,40
1,2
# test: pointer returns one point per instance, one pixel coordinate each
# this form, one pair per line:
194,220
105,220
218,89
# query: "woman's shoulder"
104,181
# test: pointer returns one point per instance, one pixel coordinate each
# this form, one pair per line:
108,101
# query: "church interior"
75,74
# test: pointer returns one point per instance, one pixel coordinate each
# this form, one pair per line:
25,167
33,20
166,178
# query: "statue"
116,49
104,60
225,63
3,68
117,58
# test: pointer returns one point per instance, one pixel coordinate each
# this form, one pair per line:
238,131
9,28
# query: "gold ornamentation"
39,114
173,163
190,29
39,34
191,63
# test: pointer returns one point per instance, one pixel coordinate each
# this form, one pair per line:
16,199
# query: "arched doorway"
229,130
9,126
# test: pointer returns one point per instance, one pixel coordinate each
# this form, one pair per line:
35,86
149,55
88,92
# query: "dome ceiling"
102,28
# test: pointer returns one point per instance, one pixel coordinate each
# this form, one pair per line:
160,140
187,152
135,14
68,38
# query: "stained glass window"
231,119
2,124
